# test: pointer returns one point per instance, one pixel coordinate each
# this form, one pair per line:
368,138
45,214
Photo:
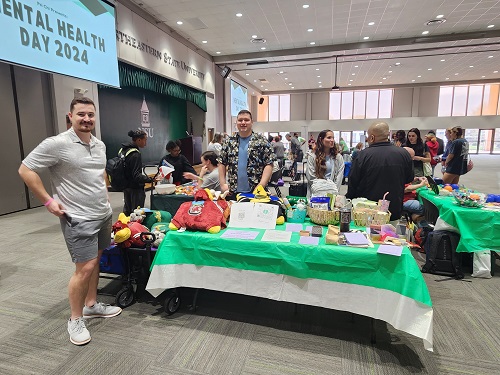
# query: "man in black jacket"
381,168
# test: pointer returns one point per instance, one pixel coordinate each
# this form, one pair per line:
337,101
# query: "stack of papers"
356,239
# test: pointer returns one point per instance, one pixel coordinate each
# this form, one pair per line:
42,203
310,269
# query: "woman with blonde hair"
216,144
325,166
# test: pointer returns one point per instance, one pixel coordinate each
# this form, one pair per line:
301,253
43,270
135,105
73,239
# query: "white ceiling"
464,41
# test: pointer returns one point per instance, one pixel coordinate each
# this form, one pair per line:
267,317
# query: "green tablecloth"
353,279
479,228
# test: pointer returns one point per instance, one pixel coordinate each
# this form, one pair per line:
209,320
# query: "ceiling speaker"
225,71
261,100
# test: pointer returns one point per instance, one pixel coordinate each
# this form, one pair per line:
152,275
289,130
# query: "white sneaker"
101,310
78,333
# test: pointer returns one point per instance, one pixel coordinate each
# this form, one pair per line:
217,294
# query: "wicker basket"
324,217
367,216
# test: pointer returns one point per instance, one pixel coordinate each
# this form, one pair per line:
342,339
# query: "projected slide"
239,99
71,37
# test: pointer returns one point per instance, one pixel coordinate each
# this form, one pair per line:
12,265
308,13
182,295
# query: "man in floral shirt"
246,157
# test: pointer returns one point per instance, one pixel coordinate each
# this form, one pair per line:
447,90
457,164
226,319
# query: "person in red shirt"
433,146
410,201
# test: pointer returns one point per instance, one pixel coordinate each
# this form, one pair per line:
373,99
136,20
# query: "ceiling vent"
436,22
196,24
263,80
258,40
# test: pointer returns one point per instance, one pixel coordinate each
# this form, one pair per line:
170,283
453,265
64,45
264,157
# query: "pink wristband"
48,202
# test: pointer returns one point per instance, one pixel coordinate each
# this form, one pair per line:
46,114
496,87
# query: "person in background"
414,141
381,168
447,135
178,161
134,194
325,163
400,138
76,161
209,173
410,202
357,149
216,144
279,150
246,157
311,142
433,146
295,150
458,156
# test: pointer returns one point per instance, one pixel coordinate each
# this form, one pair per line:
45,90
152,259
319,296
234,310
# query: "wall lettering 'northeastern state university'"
133,42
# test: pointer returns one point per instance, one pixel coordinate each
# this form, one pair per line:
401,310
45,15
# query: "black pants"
133,198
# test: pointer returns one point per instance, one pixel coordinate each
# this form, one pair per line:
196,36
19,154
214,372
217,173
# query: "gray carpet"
228,334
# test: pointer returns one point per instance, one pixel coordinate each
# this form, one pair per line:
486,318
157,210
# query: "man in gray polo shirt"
76,161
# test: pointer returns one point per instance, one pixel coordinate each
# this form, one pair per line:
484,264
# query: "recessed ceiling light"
255,80
286,78
319,82
179,22
348,84
355,66
312,43
290,84
318,76
239,15
419,76
490,26
483,76
425,32
440,16
310,30
204,41
489,57
471,66
353,74
266,89
429,69
447,78
366,37
317,68
293,87
247,74
456,74
320,86
351,80
262,48
254,36
380,82
442,60
390,71
281,71
305,6
261,85
384,78
495,71
371,23
413,80
397,64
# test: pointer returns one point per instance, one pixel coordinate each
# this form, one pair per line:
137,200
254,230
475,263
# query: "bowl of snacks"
469,199
165,188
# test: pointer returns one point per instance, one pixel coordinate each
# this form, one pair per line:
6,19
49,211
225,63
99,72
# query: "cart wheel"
172,303
125,297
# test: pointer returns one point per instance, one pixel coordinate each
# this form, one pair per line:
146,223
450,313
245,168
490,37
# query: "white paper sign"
276,236
253,215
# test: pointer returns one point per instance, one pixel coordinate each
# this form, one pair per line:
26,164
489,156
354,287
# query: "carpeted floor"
229,334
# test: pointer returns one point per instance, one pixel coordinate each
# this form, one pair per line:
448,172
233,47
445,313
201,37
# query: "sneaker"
78,333
101,310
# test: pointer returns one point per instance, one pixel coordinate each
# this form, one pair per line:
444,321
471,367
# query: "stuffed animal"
159,230
128,233
138,215
154,217
202,214
261,195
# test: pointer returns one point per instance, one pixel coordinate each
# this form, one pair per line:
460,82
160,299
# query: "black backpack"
441,255
115,169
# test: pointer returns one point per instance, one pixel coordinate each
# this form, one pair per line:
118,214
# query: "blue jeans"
413,207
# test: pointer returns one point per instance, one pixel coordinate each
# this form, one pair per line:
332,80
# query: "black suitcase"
299,188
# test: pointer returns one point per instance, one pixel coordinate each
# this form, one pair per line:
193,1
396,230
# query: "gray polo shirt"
77,173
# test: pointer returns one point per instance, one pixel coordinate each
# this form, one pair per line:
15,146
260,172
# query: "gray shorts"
85,237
